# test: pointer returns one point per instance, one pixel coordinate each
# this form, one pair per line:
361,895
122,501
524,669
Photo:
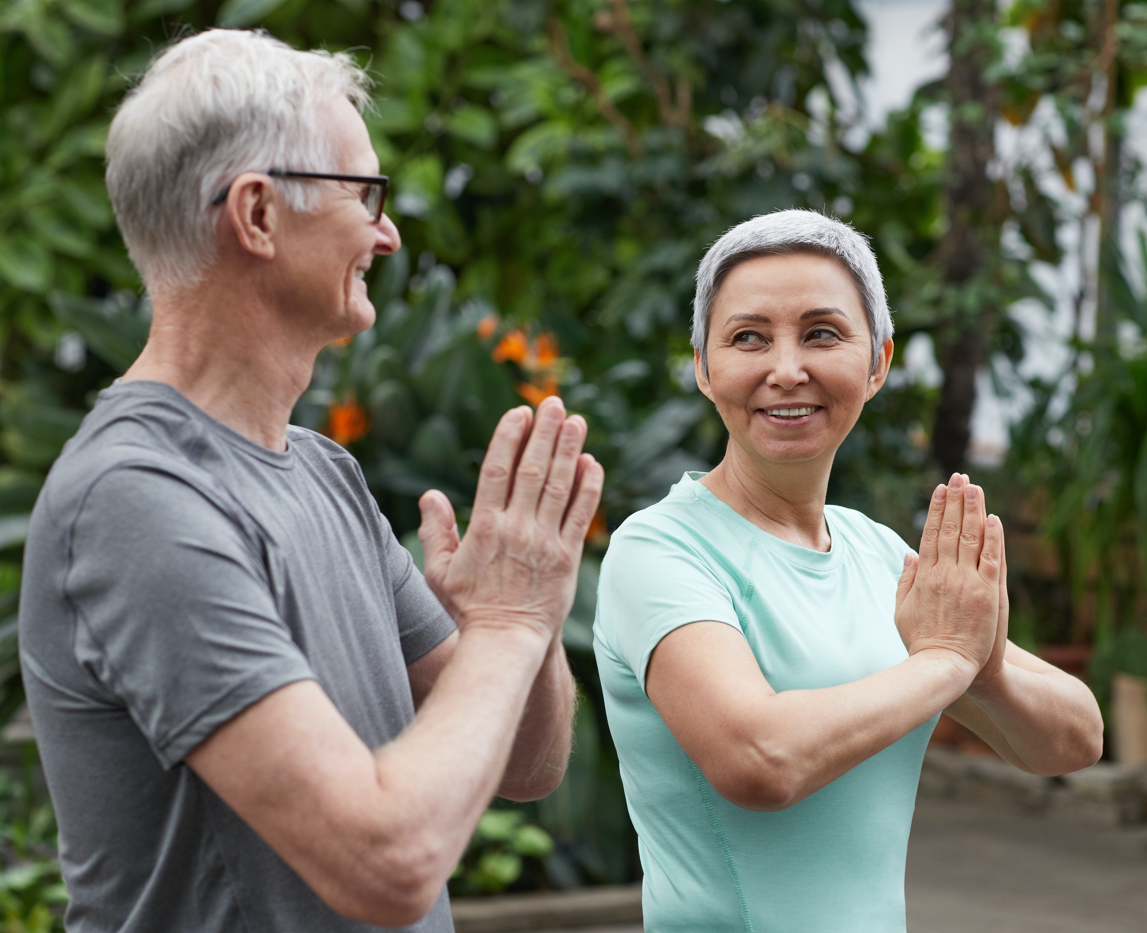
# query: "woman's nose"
787,370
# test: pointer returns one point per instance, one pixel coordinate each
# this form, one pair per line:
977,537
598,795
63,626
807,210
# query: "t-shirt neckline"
283,460
690,485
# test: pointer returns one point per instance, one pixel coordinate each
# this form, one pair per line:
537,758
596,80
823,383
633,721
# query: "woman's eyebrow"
820,312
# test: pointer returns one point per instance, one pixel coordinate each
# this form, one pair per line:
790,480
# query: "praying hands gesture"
954,595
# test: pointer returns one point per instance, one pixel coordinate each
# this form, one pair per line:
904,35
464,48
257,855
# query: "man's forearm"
449,763
542,745
1046,722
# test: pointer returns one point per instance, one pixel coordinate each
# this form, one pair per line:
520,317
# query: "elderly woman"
773,667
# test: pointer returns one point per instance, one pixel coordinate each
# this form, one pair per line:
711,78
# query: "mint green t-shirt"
833,863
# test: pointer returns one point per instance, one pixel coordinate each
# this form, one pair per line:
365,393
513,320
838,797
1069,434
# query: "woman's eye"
822,333
747,339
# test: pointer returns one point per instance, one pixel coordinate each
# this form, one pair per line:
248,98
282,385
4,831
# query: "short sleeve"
652,582
422,621
174,612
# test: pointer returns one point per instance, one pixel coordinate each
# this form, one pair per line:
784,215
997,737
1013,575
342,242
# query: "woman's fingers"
992,556
952,521
563,476
496,478
907,577
930,536
972,532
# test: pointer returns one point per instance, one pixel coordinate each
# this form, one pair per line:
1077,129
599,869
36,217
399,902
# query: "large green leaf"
116,334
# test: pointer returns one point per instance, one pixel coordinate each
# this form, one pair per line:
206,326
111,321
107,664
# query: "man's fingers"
972,531
930,537
992,555
497,474
563,476
952,521
438,534
583,506
534,466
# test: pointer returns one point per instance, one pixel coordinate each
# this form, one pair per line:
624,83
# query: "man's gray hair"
782,233
209,108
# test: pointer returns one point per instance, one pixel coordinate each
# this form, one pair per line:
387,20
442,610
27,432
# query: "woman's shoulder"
681,519
866,535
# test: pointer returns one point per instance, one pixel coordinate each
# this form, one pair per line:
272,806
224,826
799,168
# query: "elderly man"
223,644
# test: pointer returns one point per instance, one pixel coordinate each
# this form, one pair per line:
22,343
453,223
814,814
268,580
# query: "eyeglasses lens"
375,195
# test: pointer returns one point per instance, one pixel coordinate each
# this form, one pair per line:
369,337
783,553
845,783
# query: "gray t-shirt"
174,574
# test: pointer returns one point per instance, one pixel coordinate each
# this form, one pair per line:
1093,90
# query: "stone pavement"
995,868
992,866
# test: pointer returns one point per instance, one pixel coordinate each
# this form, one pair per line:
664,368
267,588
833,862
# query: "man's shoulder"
148,433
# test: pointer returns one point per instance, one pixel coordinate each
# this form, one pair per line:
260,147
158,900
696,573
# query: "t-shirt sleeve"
174,611
422,622
653,582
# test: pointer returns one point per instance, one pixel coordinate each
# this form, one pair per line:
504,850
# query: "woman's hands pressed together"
953,597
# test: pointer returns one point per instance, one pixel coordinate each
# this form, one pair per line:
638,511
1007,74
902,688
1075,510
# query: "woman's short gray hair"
209,108
782,233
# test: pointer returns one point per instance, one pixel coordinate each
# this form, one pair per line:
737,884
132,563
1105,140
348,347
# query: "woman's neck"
786,500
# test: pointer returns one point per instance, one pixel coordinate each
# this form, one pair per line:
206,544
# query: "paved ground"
994,868
980,868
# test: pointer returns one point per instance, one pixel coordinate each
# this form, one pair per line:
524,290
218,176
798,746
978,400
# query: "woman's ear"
701,376
880,374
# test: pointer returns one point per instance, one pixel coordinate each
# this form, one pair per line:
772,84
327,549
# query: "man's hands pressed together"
536,498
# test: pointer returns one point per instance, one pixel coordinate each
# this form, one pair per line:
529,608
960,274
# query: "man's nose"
387,238
788,370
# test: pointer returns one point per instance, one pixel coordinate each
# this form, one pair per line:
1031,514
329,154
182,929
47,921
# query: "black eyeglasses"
373,198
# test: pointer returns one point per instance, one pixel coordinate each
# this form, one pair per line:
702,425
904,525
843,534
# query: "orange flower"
534,394
545,350
511,347
487,326
598,531
348,422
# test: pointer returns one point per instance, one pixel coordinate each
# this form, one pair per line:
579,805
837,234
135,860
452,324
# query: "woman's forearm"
1041,720
801,740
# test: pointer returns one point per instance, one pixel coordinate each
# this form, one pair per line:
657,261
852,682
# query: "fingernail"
957,482
993,521
970,494
941,493
907,560
952,479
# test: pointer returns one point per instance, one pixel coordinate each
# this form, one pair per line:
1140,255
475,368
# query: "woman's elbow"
755,784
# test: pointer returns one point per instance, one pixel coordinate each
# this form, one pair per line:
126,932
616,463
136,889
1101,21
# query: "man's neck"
786,500
228,353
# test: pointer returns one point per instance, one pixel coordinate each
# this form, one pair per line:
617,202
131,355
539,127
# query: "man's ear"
253,208
701,376
880,374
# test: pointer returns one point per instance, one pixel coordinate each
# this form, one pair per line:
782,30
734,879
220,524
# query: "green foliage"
32,894
1093,458
493,859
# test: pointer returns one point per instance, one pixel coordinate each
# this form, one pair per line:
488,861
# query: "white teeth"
360,273
789,412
